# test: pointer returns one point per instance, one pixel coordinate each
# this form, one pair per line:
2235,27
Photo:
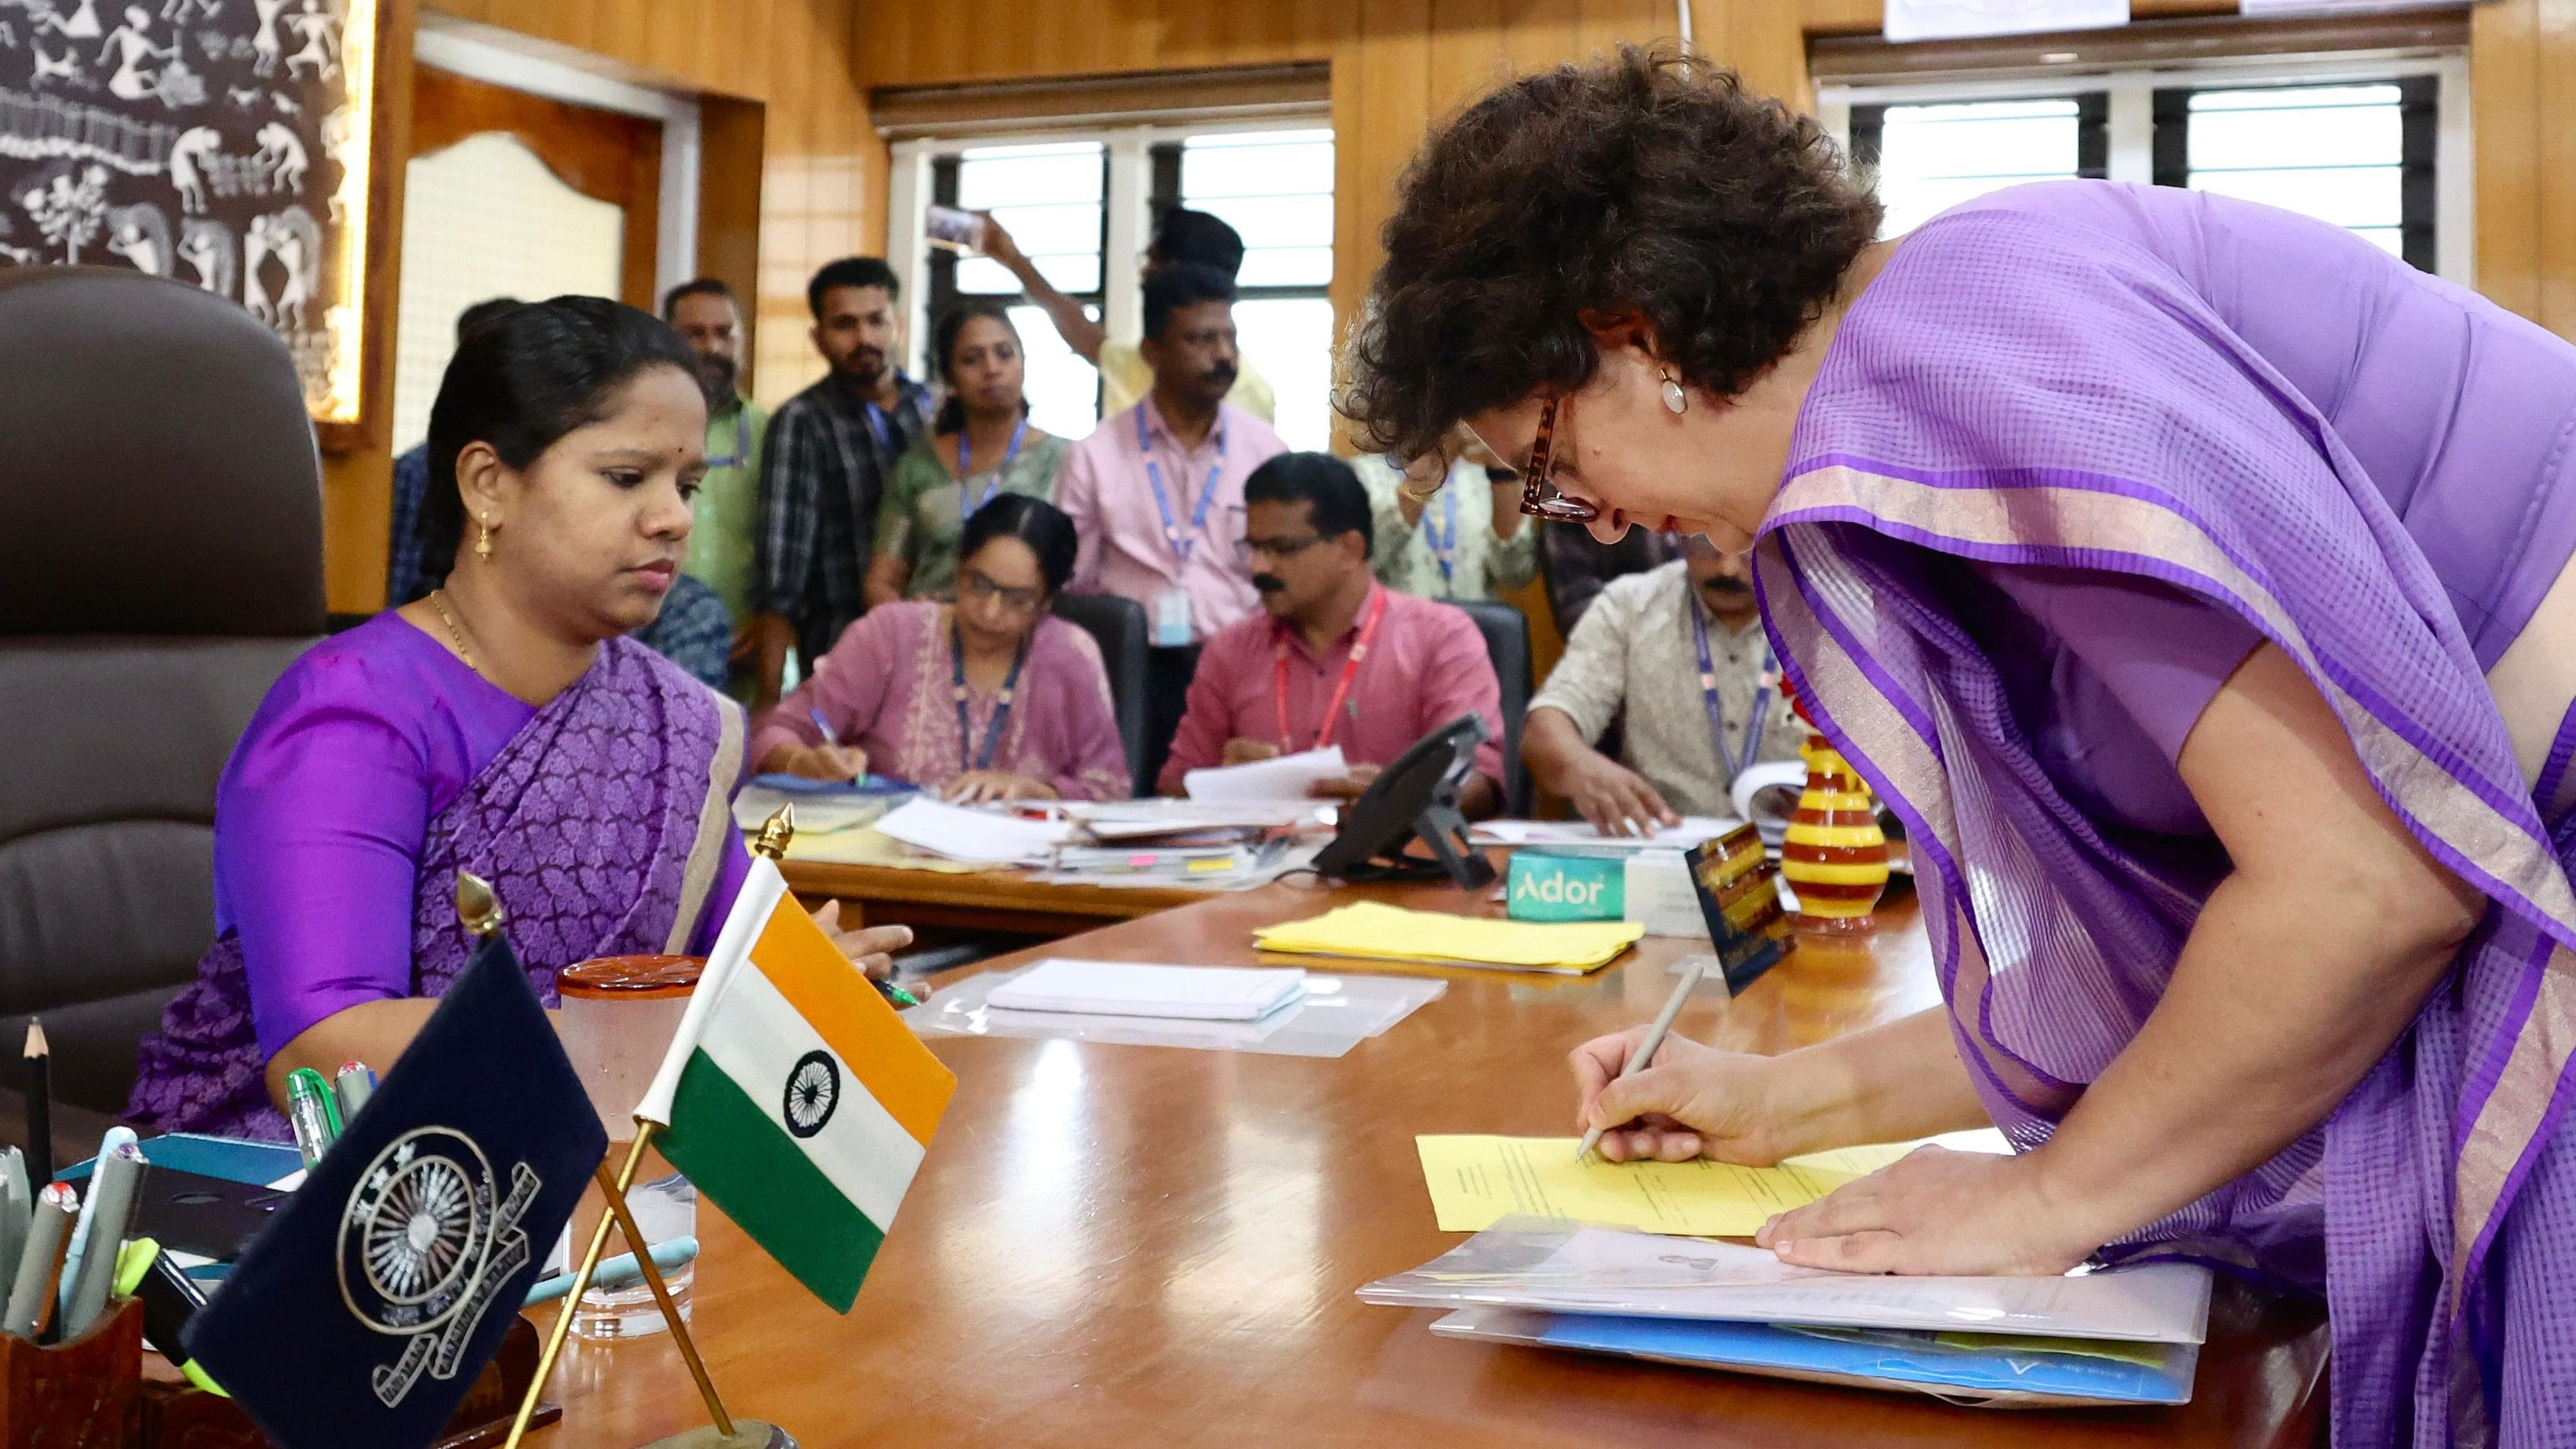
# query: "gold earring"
483,545
1675,400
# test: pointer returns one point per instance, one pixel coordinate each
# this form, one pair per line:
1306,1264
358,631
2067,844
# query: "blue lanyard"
741,453
1444,549
1743,760
1181,542
877,425
966,469
1001,712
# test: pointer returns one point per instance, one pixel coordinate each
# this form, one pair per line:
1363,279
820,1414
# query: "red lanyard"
1341,691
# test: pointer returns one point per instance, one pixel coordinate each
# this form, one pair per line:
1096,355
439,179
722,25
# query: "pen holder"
85,1394
182,1416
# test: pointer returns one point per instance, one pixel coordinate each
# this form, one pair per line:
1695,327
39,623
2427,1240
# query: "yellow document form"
1478,1181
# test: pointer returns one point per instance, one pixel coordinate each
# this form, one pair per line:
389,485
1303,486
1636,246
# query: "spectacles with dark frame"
1281,548
971,583
1539,498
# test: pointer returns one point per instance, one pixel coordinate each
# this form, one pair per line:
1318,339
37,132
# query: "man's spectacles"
973,585
1539,498
1282,548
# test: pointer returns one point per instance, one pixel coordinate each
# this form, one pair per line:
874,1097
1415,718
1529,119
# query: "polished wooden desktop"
1115,1245
1021,902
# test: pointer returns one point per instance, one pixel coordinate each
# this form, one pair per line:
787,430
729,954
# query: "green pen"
312,1113
896,994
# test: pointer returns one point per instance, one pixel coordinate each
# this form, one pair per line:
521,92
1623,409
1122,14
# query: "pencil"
1646,1049
40,1106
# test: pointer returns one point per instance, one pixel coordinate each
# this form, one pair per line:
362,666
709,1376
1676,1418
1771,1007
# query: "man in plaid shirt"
823,469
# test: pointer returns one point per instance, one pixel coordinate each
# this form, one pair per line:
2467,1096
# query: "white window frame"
2131,120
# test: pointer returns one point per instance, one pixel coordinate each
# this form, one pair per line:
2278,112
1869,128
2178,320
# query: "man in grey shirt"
1689,726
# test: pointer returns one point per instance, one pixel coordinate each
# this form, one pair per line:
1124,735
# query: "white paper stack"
1285,777
1556,834
977,835
1126,988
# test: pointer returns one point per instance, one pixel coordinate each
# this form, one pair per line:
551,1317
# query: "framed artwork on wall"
227,144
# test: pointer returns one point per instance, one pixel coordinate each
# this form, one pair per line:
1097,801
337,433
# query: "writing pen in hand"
1651,1043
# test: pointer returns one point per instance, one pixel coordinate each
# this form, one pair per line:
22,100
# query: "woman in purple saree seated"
2192,578
503,725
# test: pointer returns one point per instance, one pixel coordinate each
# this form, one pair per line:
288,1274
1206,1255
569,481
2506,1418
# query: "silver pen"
1646,1049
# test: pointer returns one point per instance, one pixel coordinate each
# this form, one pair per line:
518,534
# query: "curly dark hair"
1652,184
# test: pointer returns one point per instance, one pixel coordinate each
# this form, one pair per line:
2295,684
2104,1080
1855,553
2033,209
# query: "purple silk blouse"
323,808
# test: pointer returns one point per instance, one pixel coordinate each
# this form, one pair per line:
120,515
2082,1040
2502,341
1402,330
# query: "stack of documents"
959,833
2129,1336
1276,1013
1125,988
1369,931
1281,778
1478,1181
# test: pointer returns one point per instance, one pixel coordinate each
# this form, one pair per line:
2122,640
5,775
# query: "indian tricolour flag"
793,1096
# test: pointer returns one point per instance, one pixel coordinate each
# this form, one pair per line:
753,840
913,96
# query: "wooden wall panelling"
2553,118
2505,100
357,484
823,182
704,45
1198,32
730,149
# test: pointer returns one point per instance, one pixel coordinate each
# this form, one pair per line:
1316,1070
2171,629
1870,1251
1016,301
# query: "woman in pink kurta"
989,698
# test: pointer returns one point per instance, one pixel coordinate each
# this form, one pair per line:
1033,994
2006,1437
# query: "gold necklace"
456,632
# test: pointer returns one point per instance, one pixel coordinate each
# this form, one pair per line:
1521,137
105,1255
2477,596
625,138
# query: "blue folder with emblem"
385,1285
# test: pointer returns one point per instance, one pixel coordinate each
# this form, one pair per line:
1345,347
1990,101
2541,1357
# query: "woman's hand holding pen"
817,762
1690,1101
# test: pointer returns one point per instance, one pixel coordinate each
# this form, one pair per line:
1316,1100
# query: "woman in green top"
979,447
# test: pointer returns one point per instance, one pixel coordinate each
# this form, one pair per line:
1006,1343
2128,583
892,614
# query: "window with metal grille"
1053,198
1276,188
1931,157
2359,156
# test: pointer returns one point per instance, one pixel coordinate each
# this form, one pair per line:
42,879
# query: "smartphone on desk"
955,227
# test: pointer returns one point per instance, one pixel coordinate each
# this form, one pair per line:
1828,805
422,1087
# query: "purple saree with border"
603,824
2271,419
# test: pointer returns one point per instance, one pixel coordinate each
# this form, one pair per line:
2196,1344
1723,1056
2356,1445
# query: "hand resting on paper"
977,786
1348,787
1937,1211
1248,752
870,948
816,762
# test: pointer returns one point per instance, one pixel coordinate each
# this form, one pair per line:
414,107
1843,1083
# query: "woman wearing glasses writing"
989,698
2193,579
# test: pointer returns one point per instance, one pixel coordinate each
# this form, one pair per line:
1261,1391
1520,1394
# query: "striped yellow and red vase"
1835,857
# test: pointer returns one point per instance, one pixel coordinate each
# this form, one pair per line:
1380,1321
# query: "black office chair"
161,542
1506,631
1119,626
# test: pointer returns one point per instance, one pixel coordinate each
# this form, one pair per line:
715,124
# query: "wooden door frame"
629,177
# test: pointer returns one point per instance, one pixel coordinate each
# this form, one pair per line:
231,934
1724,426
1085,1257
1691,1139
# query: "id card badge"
1172,619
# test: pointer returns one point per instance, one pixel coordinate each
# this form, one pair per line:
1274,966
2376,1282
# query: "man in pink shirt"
1156,492
1334,658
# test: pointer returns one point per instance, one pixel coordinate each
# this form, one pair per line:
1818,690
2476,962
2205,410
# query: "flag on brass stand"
794,1096
364,1312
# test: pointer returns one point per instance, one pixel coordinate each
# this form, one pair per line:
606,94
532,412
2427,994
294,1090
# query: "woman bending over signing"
2192,578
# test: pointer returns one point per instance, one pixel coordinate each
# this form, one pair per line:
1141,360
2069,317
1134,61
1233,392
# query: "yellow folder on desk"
1369,931
1478,1181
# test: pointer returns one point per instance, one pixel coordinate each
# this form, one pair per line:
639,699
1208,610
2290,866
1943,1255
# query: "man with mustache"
1335,657
726,510
1156,492
823,470
1690,725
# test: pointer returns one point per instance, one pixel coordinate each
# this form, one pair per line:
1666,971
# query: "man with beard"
1681,650
1335,657
823,468
1156,492
726,510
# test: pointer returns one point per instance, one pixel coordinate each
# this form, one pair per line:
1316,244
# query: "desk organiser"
77,1395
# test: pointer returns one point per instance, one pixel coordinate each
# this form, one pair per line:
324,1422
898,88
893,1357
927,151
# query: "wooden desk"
1135,1245
995,900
